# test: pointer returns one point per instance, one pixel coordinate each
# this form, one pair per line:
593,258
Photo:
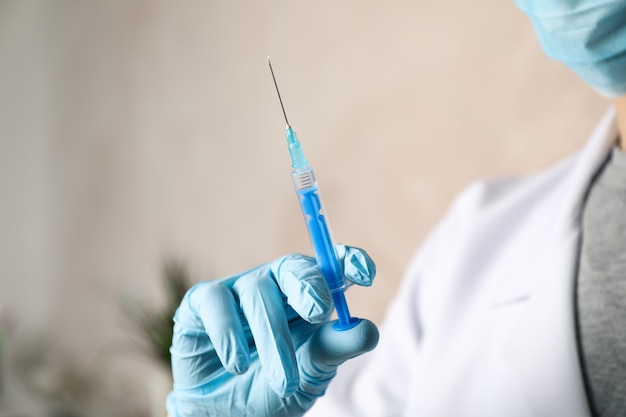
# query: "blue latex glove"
260,343
589,36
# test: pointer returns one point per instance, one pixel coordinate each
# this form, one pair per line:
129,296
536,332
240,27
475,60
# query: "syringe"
317,224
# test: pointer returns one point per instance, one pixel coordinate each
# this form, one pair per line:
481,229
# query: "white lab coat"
484,322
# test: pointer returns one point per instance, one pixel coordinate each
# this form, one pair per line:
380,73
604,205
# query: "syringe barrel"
317,224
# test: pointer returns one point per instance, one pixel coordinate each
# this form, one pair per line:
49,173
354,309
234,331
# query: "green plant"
155,326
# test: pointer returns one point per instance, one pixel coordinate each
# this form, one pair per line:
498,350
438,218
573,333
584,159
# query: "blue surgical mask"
589,36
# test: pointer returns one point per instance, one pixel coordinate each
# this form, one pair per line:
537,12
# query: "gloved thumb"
328,348
358,267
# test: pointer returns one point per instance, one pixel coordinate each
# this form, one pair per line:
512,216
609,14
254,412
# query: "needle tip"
278,92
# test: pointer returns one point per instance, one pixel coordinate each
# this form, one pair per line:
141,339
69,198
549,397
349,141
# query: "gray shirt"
601,289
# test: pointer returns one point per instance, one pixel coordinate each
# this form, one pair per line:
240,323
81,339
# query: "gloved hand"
589,36
260,343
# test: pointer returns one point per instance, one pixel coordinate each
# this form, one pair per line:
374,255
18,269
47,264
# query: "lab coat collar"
542,345
588,163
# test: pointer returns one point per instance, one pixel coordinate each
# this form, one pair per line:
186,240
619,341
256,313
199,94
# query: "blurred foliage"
54,383
154,327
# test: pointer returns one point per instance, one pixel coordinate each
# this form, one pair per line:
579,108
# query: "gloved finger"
301,281
327,349
219,312
263,306
194,358
358,267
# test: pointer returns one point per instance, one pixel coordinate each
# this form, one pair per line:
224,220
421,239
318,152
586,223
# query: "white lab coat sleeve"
377,383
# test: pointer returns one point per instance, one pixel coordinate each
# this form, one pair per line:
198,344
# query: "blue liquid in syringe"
325,253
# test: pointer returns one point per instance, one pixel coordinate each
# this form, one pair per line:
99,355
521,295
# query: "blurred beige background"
136,131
